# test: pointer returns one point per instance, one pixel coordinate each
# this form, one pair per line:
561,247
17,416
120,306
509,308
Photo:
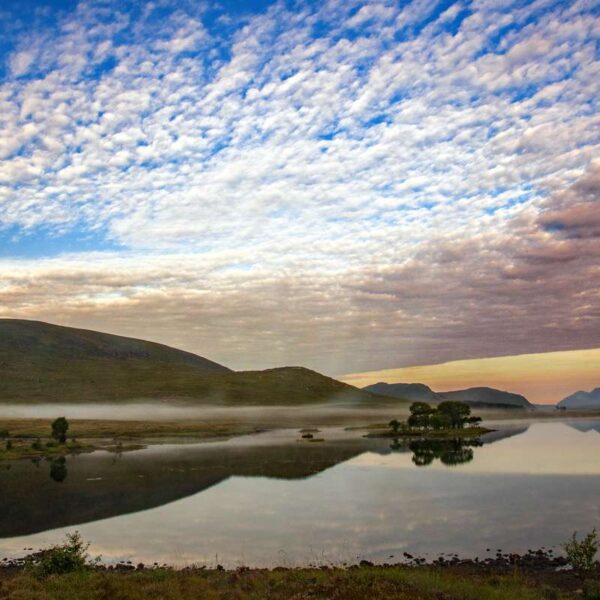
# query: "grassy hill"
40,362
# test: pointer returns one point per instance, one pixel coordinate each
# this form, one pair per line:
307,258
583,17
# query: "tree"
439,421
419,421
420,412
420,408
60,427
394,425
474,420
457,412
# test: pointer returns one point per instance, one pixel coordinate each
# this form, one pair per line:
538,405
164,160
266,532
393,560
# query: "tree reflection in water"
449,452
58,469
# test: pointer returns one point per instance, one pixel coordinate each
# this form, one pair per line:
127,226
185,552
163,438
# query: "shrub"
580,554
64,558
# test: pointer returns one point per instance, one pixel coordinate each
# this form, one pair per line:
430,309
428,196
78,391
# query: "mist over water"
169,410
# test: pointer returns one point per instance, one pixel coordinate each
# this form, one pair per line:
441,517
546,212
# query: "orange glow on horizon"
544,378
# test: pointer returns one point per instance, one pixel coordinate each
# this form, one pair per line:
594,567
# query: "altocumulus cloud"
344,185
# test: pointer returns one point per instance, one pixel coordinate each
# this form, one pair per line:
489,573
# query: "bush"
64,558
591,590
581,554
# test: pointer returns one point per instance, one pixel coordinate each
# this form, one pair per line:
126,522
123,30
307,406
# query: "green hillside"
40,362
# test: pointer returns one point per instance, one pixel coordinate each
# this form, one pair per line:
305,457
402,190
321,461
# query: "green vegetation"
383,583
24,448
65,572
27,438
449,414
446,421
60,427
581,554
57,560
441,434
46,363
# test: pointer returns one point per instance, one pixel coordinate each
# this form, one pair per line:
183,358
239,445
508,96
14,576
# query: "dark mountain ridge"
477,396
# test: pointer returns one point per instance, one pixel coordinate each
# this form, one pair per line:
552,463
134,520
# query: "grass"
441,434
101,428
83,381
23,449
359,583
46,363
105,435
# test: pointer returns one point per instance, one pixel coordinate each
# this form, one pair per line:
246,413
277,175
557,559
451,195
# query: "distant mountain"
40,362
414,392
581,399
487,397
478,396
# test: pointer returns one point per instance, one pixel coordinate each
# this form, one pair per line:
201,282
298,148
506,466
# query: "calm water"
268,499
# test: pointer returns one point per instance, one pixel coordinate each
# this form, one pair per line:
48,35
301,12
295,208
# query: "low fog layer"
160,411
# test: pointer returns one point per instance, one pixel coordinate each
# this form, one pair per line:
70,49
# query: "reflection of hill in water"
504,433
43,496
100,486
585,426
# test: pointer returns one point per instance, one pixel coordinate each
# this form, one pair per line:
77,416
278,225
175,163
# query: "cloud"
20,62
575,213
343,185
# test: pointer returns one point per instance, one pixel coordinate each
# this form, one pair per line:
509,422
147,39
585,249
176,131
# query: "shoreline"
535,575
90,435
444,434
124,435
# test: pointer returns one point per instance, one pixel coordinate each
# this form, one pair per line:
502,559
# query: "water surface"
268,499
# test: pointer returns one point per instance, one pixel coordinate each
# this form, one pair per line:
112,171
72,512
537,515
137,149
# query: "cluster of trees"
446,415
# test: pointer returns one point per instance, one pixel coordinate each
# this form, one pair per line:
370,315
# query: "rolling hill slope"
40,362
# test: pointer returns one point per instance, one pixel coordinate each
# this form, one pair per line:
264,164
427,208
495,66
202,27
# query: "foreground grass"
397,582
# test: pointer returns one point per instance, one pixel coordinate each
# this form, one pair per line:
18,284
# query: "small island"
448,420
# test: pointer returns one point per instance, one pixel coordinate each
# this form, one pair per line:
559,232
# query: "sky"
349,186
544,378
